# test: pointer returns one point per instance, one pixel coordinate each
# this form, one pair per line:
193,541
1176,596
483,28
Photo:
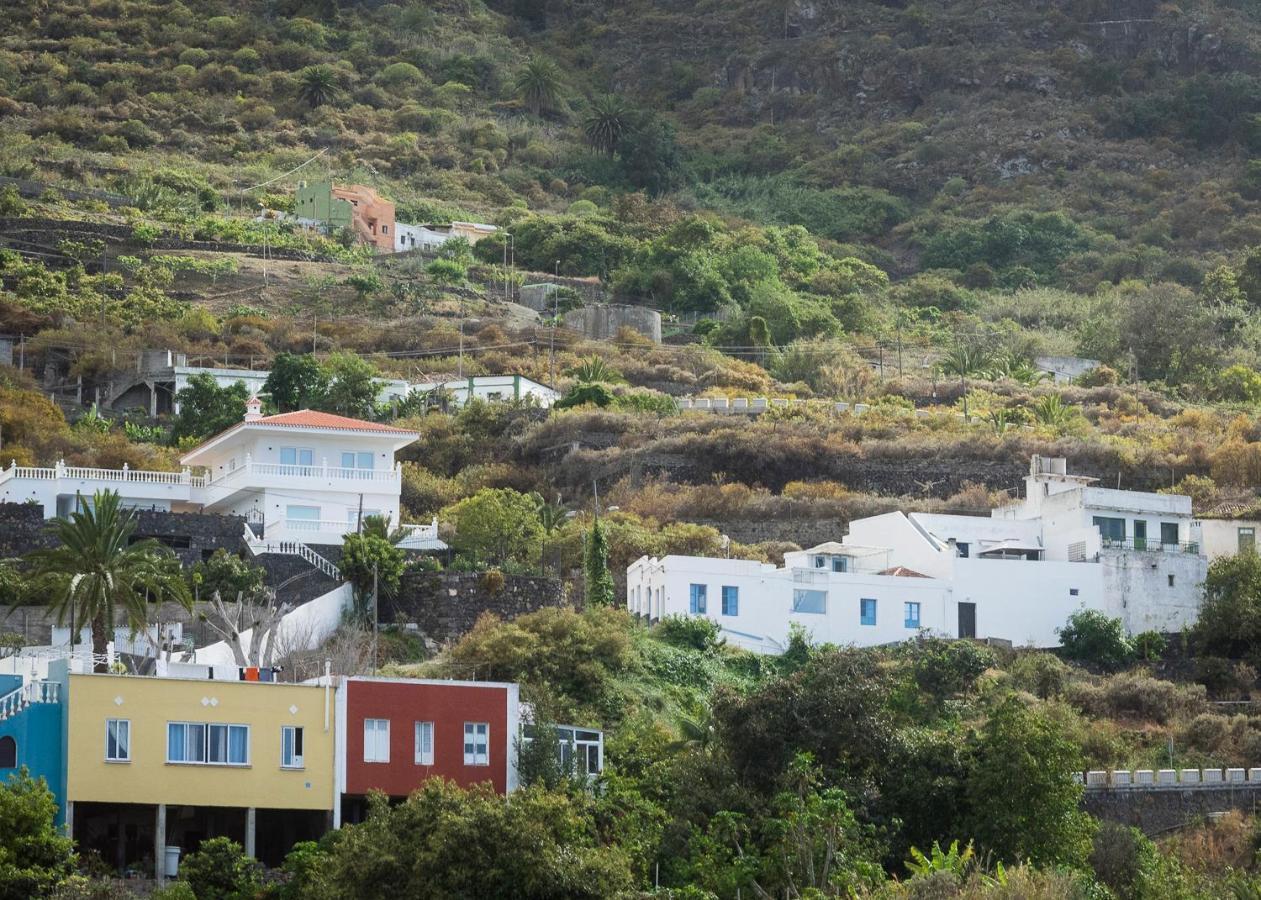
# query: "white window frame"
297,760
473,757
126,757
297,457
424,735
205,746
372,725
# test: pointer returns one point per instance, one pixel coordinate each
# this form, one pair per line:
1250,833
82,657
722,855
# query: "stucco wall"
150,703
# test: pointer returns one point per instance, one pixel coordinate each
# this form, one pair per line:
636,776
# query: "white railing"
30,693
277,470
422,532
83,473
291,548
320,526
1168,779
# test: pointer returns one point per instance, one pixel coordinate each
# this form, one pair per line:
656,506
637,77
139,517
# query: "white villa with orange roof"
302,476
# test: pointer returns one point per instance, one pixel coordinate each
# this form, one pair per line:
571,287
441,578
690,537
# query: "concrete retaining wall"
444,605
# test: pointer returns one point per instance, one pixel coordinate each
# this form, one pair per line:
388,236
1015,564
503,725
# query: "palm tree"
539,84
605,123
964,361
318,85
96,571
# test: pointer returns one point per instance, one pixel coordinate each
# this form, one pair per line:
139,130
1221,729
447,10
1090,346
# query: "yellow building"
157,762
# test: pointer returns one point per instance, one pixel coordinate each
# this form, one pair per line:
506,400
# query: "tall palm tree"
539,84
96,571
605,123
318,85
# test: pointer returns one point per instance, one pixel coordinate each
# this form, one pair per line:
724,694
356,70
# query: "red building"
398,732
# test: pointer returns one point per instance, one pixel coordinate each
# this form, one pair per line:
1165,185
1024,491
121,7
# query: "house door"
967,620
1140,534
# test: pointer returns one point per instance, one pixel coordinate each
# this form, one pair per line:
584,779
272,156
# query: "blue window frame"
696,599
910,612
867,611
730,600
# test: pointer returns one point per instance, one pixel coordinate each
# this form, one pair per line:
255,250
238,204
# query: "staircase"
291,548
28,694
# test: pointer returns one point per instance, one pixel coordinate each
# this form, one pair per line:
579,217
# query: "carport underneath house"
129,837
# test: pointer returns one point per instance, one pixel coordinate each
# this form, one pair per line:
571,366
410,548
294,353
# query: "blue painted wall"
37,730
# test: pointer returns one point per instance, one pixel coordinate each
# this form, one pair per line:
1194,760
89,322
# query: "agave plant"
594,370
964,361
1053,411
1014,369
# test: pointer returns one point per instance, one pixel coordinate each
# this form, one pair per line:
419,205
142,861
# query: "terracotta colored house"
399,732
356,206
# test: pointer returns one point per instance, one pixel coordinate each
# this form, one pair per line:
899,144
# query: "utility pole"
375,619
315,330
359,527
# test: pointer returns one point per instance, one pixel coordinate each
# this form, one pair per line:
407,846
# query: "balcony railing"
336,473
1141,545
83,473
318,526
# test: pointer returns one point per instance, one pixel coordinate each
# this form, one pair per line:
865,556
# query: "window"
302,518
357,460
1169,532
1247,540
696,599
424,743
297,456
1171,580
809,601
385,229
839,564
730,600
8,753
376,740
291,747
212,743
867,611
910,612
1073,592
1112,530
964,548
476,744
118,740
819,562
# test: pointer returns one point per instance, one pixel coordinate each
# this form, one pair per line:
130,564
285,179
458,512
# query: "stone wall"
1154,811
803,532
444,605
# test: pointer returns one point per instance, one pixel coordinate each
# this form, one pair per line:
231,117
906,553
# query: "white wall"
1138,591
1025,601
304,628
911,548
1220,537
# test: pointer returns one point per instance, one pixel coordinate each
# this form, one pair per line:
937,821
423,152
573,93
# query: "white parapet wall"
304,628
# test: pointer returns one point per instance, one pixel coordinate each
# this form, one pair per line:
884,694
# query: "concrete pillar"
159,844
153,399
70,819
250,823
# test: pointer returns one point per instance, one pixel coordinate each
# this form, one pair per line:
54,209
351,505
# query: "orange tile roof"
902,572
309,418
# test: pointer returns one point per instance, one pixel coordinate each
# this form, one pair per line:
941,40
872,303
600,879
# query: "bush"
943,669
1208,732
1092,637
1138,696
220,870
1150,645
694,632
1042,674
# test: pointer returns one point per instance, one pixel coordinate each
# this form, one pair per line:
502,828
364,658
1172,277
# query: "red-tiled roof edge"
309,418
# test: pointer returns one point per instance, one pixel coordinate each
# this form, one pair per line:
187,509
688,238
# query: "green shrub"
1150,645
694,632
1042,674
220,870
1092,637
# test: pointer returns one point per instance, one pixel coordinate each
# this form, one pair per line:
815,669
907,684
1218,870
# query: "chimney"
253,409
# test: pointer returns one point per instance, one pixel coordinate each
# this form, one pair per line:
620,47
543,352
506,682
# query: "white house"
1015,576
301,476
431,237
493,389
1226,537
